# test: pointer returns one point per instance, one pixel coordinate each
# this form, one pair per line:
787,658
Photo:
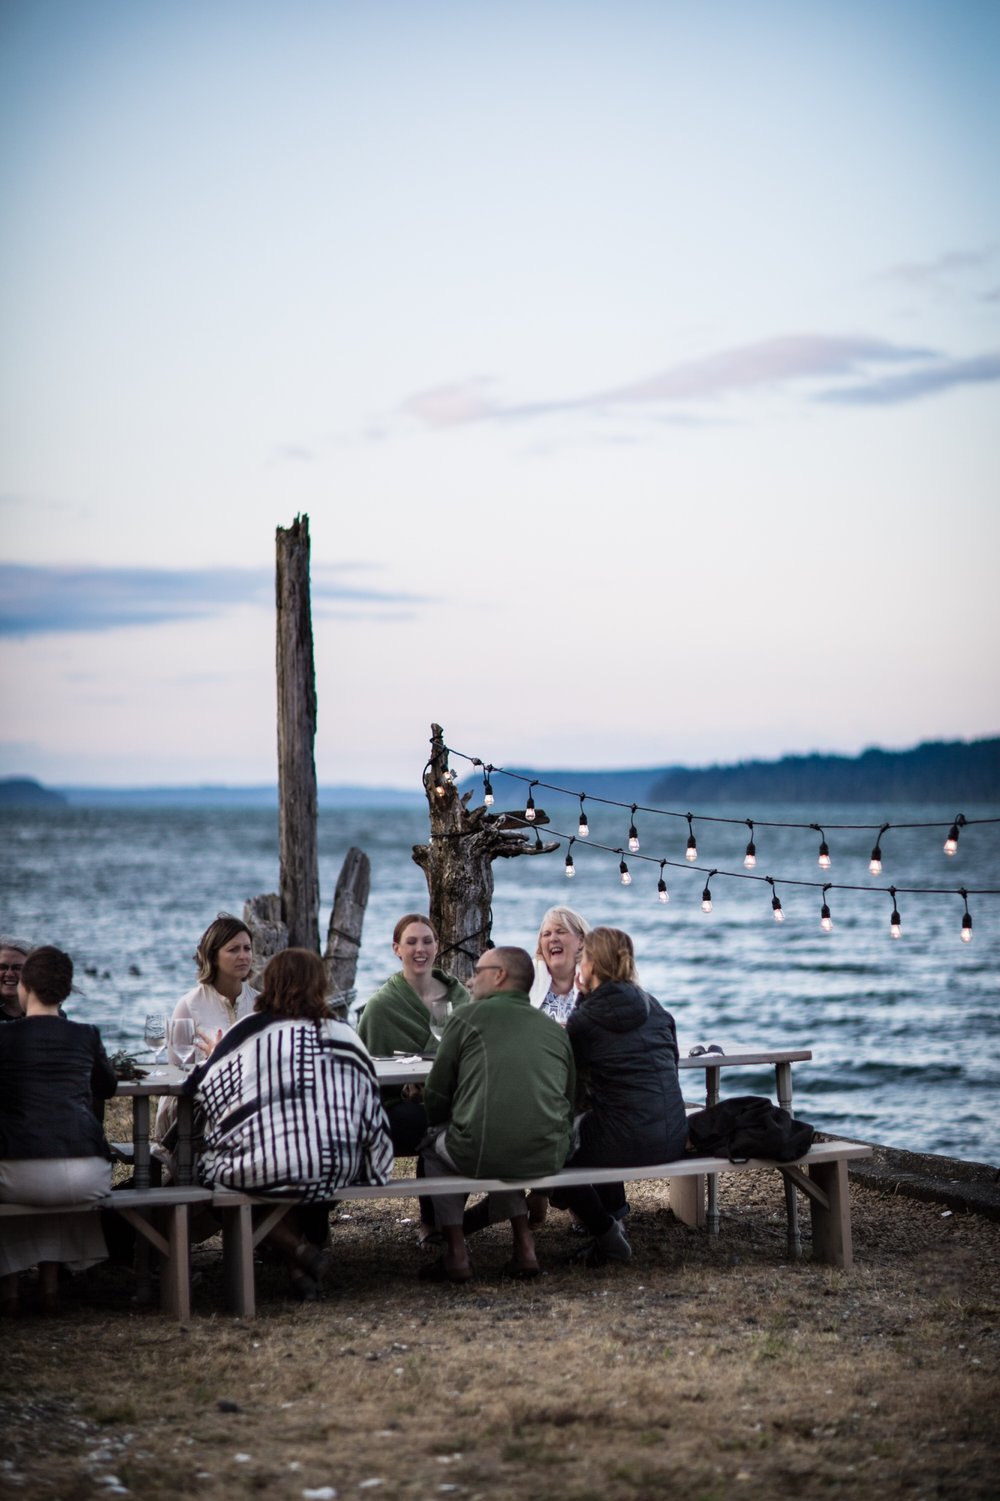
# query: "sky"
636,364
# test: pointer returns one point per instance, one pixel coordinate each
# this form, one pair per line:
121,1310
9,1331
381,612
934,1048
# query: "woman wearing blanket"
54,1074
291,1107
625,1047
398,1019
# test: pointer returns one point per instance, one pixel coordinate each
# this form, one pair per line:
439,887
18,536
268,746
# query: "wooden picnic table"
413,1068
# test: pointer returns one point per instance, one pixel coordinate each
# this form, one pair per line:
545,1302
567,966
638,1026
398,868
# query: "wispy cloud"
915,383
946,268
291,453
36,600
768,364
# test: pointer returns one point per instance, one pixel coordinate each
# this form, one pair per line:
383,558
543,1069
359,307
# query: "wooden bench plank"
822,1173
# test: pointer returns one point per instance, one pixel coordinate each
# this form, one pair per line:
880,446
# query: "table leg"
141,1179
184,1158
140,1140
712,1077
783,1088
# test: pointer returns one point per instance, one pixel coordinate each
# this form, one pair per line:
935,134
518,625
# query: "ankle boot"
612,1245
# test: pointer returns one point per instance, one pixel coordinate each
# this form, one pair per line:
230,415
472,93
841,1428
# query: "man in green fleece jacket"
501,1091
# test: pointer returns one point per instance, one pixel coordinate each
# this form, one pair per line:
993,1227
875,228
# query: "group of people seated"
557,1060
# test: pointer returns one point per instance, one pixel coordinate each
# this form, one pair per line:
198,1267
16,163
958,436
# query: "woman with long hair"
222,997
625,1046
291,1107
400,1017
53,1073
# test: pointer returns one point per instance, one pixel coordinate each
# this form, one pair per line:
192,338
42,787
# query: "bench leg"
831,1223
175,1254
687,1200
175,1273
237,1259
792,1210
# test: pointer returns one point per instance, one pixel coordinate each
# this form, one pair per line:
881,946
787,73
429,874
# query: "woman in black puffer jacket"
625,1047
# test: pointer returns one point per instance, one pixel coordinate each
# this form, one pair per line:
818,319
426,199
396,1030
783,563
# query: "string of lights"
777,910
750,857
950,846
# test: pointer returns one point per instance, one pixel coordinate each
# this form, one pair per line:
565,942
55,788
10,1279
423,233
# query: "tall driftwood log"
458,861
343,938
299,879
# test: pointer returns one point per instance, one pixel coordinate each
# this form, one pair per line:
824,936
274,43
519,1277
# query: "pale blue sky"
637,365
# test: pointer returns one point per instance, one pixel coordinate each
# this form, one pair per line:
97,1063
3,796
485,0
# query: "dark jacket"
53,1074
625,1047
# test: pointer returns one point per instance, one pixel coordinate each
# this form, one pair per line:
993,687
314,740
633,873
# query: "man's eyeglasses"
482,968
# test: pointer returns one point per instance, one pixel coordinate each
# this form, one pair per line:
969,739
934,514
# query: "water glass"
183,1041
440,1012
155,1035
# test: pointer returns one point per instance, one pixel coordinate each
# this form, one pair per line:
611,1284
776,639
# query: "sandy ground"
706,1369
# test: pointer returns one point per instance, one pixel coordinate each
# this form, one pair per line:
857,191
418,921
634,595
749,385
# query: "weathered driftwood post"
458,861
299,878
343,938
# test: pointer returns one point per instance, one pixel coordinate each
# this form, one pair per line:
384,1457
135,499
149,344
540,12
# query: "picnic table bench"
160,1216
821,1174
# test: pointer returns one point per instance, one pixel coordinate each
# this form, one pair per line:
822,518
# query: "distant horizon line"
515,769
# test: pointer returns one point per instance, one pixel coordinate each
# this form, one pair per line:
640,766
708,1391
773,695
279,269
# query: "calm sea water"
905,1034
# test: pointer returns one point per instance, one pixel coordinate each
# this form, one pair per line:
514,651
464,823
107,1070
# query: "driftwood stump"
343,938
299,877
458,861
262,915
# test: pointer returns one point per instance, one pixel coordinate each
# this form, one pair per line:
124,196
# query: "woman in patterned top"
560,944
291,1106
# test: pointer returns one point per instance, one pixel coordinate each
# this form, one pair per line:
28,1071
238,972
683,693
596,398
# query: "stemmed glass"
440,1012
182,1039
155,1036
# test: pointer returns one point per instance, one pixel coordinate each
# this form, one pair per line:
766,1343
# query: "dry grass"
703,1370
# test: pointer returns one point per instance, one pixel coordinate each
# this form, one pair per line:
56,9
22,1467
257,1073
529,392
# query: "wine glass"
155,1036
440,1012
183,1041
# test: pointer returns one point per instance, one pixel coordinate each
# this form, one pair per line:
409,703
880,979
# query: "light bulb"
633,840
570,867
706,900
584,828
661,891
875,863
626,876
825,920
691,853
776,908
967,928
529,811
488,794
824,856
895,925
951,843
750,858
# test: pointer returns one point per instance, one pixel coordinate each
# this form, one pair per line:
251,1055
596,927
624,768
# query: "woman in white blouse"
222,996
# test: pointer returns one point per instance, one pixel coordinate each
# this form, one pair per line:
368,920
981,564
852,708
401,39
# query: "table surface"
412,1068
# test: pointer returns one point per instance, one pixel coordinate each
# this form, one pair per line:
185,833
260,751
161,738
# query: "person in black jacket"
52,1146
625,1047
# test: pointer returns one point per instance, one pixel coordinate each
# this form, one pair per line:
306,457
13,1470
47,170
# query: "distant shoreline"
939,771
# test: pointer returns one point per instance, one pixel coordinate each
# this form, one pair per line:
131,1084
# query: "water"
905,1034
